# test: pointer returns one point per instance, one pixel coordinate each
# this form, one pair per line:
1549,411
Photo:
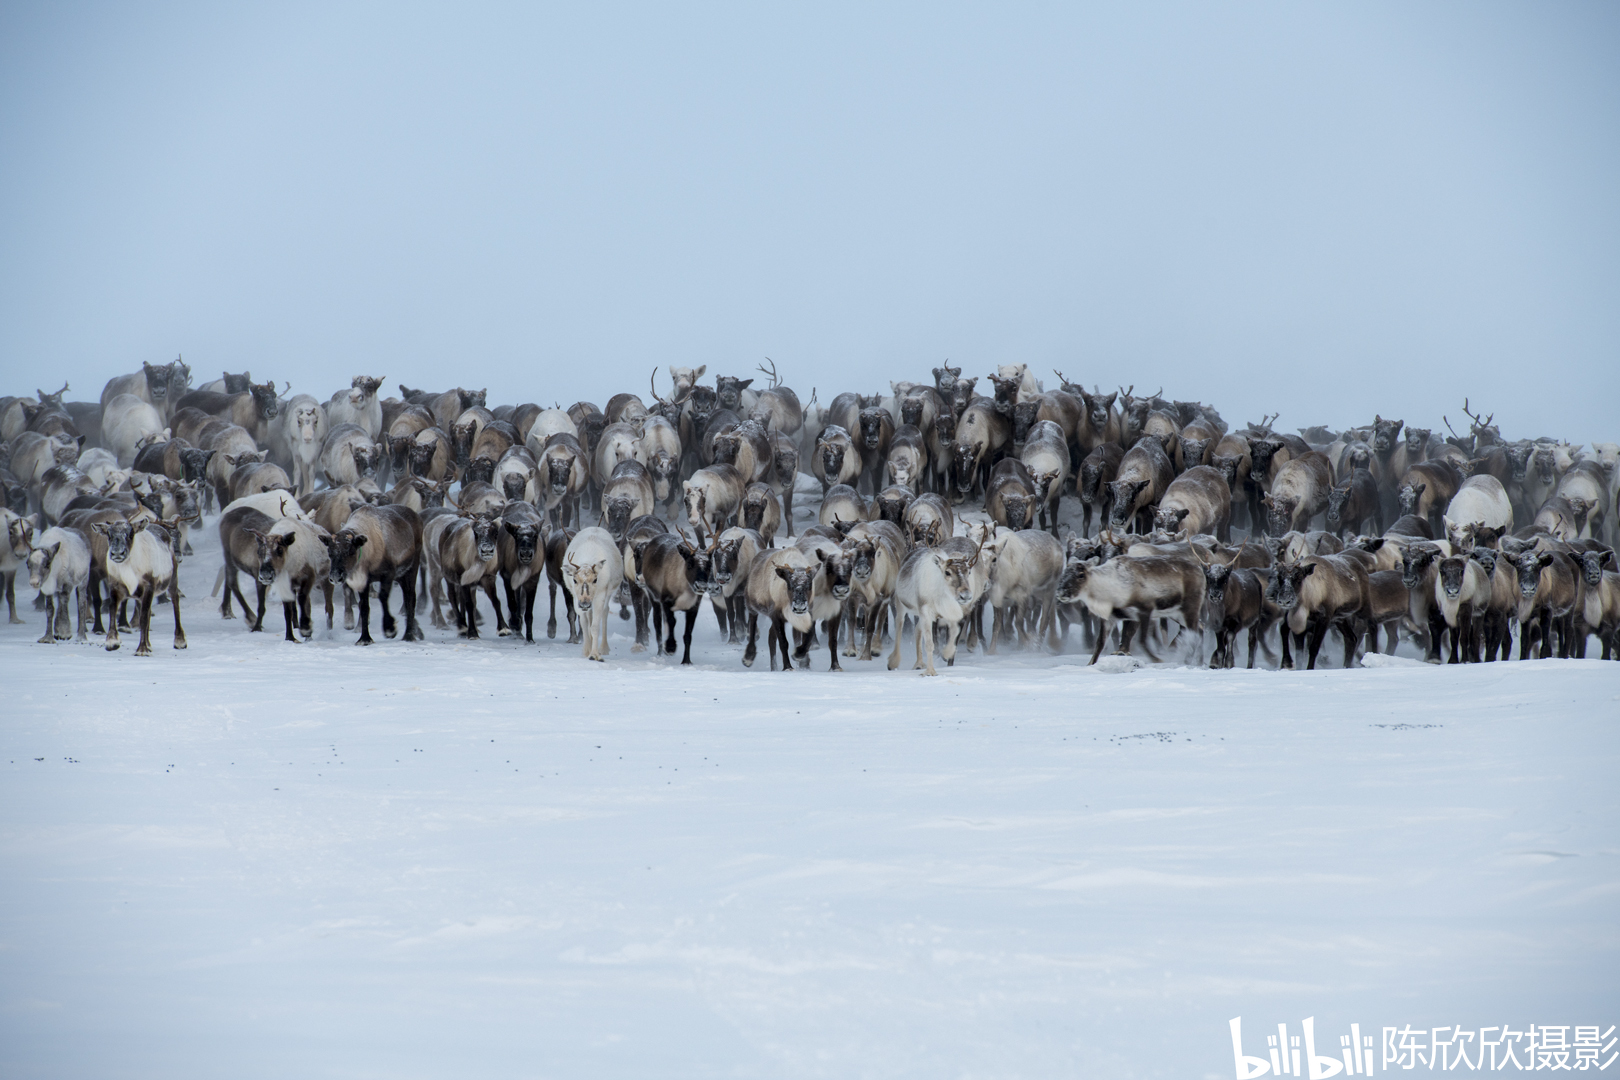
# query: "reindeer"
1144,473
1317,593
378,544
1234,602
1128,590
1198,501
837,459
1351,503
140,560
982,435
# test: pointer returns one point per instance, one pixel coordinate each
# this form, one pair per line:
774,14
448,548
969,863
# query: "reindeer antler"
652,384
771,374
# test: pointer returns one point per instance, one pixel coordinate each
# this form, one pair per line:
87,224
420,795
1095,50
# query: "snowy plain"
493,859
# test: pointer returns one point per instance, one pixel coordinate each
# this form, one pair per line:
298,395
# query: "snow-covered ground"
256,859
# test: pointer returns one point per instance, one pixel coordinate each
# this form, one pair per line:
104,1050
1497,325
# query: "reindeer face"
1279,512
1409,496
187,500
1529,565
1261,451
1417,440
753,510
872,425
1385,432
486,533
902,472
1486,559
119,534
584,578
344,548
945,378
800,582
726,556
1545,460
684,380
1286,582
703,402
1592,564
39,564
271,554
962,394
179,378
157,381
237,384
911,411
1337,498
422,457
461,437
558,472
727,447
697,504
1519,460
1415,560
832,457
481,469
366,385
1170,518
365,458
1124,493
616,513
1015,505
264,400
728,391
863,558
1193,451
1215,577
840,570
1451,573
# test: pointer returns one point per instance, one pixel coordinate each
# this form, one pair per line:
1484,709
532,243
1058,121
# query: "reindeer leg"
1318,631
113,600
1102,637
260,591
686,634
365,616
782,639
11,596
667,643
49,636
348,610
82,596
145,606
832,639
751,651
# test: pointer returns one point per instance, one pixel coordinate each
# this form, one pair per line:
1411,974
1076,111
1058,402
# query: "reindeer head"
703,402
366,457
157,381
264,399
1072,580
1338,497
1194,451
1099,409
585,579
831,448
1415,560
39,564
344,548
590,431
616,510
697,504
728,391
902,472
1385,432
421,455
874,419
515,484
892,503
1545,460
684,381
839,568
1417,441
1279,512
1451,573
1169,518
727,447
727,553
119,535
559,470
1006,393
271,554
1486,557
1593,564
1124,493
179,377
367,385
945,378
20,535
1518,455
911,411
1529,565
526,539
754,505
962,394
1286,580
1261,450
1016,505
800,582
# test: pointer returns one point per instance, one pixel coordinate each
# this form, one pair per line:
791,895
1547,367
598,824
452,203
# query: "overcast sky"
1325,209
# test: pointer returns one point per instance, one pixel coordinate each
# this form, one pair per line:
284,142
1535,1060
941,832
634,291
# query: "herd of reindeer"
937,502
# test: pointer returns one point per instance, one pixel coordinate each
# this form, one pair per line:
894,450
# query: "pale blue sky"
1327,209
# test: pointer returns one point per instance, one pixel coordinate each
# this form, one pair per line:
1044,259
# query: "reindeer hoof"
48,639
503,633
179,643
144,650
16,621
364,641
